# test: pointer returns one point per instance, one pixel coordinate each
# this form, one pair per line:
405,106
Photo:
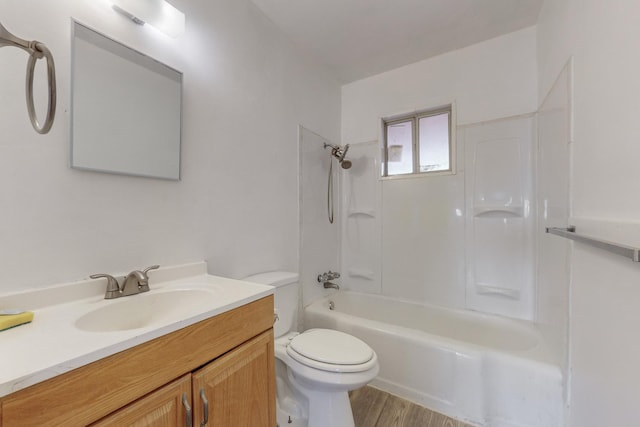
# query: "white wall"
605,295
489,80
246,89
421,229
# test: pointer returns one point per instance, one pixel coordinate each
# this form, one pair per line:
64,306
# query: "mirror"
126,109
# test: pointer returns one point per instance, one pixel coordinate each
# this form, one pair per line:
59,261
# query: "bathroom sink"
147,309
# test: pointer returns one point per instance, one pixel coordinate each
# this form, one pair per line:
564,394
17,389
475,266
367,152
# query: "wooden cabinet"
230,355
233,390
236,389
166,407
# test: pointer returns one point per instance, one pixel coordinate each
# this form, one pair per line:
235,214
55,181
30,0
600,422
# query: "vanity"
194,350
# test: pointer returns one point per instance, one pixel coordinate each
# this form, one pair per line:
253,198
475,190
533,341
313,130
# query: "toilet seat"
331,350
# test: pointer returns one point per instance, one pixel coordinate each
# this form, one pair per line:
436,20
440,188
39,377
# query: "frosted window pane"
434,143
400,148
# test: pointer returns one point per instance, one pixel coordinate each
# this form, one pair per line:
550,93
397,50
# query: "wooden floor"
375,408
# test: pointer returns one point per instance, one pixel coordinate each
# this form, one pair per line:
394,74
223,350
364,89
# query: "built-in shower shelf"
362,212
484,289
361,273
498,211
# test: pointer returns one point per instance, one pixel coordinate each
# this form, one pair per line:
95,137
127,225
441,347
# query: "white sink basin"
147,309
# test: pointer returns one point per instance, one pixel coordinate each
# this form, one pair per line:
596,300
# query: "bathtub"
482,369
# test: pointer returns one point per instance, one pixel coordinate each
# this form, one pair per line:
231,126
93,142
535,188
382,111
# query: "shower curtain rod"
570,233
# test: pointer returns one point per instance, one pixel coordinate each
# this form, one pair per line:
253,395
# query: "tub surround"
500,216
463,240
52,344
426,238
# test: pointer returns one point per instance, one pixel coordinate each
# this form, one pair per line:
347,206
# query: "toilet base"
329,409
283,419
298,405
325,409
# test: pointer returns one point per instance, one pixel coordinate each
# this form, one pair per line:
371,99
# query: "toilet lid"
330,347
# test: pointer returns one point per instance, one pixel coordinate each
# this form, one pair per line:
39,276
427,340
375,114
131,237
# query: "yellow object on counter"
8,321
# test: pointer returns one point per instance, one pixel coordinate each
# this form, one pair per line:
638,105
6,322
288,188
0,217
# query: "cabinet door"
238,389
166,407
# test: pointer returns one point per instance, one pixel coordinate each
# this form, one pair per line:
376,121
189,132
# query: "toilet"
315,369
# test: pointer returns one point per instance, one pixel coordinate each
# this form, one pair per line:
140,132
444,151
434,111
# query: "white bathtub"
486,370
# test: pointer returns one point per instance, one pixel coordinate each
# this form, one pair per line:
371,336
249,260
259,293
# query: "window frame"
414,118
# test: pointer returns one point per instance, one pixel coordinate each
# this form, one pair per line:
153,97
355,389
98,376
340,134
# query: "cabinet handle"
185,402
206,408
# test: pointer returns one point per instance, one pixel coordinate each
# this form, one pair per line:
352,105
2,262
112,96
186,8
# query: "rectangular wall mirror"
126,109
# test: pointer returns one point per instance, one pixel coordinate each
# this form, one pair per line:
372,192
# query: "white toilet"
315,369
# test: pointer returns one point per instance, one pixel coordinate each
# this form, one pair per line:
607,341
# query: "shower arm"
337,151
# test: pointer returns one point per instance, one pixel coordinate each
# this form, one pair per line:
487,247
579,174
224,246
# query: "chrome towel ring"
36,50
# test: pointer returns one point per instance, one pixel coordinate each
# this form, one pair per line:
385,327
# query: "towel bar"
570,233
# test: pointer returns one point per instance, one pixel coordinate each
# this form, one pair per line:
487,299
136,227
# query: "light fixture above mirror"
157,13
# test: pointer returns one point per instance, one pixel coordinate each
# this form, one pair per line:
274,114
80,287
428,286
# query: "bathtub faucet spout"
329,285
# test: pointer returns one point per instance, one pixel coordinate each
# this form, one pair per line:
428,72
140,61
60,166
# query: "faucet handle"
153,267
113,288
144,286
329,275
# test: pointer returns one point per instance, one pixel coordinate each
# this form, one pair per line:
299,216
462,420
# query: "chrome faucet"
326,278
329,275
133,283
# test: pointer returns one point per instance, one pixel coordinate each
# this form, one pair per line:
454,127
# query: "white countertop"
52,344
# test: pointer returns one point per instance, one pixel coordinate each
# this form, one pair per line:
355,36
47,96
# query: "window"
418,143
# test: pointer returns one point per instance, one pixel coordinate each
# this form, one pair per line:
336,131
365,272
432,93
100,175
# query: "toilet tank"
285,298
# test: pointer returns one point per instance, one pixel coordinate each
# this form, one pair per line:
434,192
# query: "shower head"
346,164
342,153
